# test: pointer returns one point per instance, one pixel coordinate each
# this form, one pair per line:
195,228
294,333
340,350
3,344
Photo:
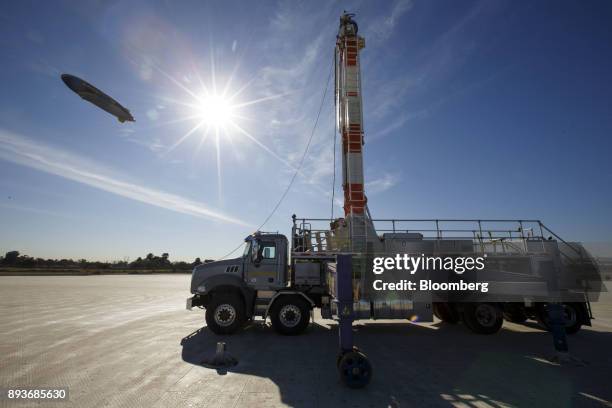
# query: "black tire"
446,312
573,321
225,313
355,369
482,318
290,315
515,313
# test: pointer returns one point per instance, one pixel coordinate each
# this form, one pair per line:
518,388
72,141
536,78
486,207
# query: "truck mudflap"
585,314
189,304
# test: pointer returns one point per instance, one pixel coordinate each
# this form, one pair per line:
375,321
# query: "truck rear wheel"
515,313
290,315
445,312
482,318
225,313
571,311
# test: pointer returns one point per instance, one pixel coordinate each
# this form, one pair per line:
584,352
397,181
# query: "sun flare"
215,111
217,114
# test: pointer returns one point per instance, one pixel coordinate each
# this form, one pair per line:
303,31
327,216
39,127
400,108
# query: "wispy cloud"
33,210
400,119
390,91
383,183
44,67
299,74
381,28
403,117
408,96
26,152
154,144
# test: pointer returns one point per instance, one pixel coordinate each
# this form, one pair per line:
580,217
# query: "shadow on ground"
417,365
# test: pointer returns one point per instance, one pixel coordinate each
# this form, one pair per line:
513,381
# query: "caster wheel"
342,353
355,369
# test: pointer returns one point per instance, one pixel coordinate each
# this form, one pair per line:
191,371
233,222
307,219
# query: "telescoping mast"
349,116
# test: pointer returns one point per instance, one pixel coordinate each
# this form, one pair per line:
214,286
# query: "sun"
215,110
217,113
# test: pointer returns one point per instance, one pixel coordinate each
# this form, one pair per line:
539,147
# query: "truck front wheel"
290,315
225,313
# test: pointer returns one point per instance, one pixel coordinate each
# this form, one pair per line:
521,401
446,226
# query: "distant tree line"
151,261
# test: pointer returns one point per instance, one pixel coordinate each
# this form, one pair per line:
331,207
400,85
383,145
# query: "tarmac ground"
127,341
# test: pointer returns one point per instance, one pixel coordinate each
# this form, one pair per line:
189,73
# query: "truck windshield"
247,248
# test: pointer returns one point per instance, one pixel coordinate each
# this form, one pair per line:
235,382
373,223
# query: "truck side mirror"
258,257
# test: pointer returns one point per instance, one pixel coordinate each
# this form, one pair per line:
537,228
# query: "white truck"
272,280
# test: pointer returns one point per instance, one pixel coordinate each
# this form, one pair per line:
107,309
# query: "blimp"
93,95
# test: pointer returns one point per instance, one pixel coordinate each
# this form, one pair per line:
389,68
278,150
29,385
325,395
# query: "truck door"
262,270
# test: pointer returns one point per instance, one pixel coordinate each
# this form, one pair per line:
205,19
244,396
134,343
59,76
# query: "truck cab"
256,283
265,261
262,265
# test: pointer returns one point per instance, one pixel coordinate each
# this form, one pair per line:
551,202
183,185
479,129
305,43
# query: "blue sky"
481,109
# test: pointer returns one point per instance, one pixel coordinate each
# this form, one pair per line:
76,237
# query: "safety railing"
317,235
